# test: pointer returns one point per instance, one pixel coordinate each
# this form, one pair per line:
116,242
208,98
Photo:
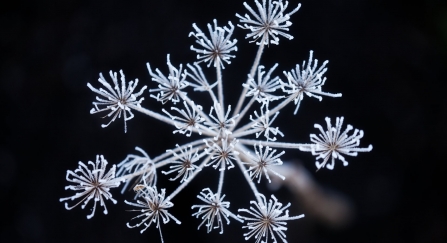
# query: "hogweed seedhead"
262,162
307,81
269,22
226,137
263,89
153,207
169,88
267,218
331,144
116,99
214,210
217,48
93,183
183,163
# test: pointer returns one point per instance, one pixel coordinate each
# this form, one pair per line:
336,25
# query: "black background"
388,58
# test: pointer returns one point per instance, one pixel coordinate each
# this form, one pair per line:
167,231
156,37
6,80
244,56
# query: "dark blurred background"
388,58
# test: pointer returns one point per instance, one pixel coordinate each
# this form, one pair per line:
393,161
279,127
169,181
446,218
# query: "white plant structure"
218,138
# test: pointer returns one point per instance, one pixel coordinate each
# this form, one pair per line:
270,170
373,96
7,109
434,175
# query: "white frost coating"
307,81
93,183
267,219
153,208
188,121
333,143
262,162
269,22
217,50
169,88
116,99
263,88
263,124
213,210
222,152
183,163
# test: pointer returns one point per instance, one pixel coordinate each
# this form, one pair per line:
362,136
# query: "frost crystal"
237,135
93,184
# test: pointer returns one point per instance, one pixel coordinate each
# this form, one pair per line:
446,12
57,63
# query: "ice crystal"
240,135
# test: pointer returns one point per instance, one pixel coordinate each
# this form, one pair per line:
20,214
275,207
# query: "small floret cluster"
218,138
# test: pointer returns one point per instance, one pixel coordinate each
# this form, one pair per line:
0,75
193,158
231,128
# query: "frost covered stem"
252,73
222,173
247,176
185,183
242,114
219,84
275,144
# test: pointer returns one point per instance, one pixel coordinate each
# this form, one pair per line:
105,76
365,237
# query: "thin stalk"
222,173
275,144
246,132
219,84
246,108
252,73
247,177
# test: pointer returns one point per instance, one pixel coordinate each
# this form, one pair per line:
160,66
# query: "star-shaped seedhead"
217,48
267,218
263,124
262,162
307,80
153,208
331,144
221,124
135,163
116,99
269,22
169,88
222,153
214,210
183,163
93,183
188,120
263,88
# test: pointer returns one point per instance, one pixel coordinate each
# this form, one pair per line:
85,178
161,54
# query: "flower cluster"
222,136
